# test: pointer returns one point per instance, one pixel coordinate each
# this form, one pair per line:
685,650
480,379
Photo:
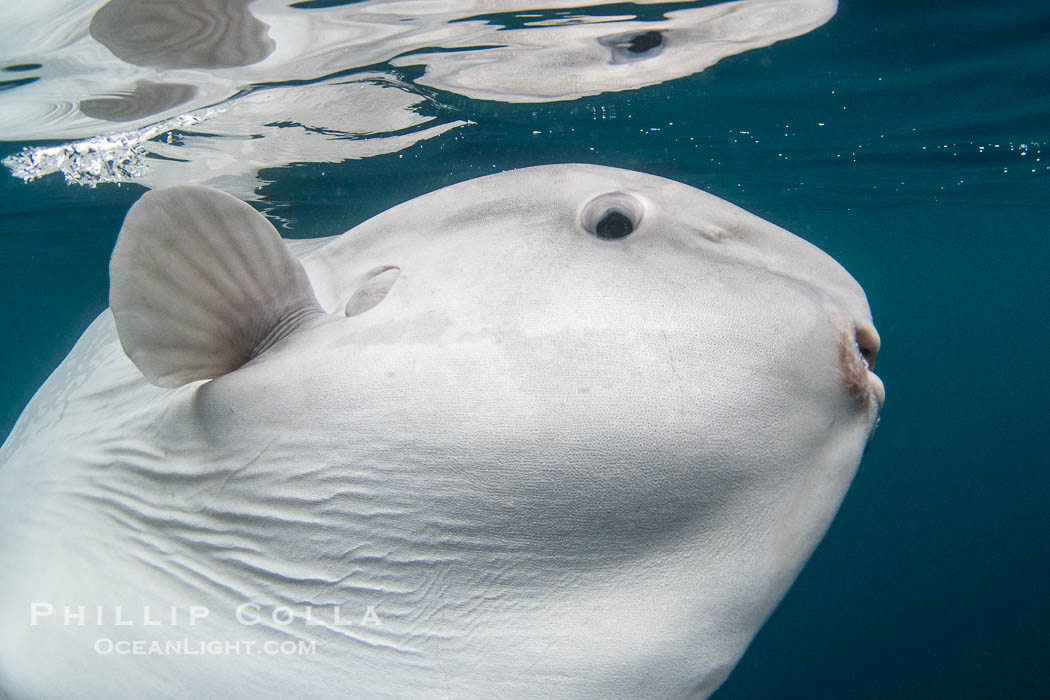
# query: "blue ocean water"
911,141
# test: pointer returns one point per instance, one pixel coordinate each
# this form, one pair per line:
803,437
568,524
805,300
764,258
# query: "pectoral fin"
201,283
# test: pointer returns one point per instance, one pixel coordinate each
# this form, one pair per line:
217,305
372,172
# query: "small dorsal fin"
201,283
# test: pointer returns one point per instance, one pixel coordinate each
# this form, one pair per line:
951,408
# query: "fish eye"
612,216
634,46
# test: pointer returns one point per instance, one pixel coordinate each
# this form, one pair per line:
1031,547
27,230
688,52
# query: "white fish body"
530,462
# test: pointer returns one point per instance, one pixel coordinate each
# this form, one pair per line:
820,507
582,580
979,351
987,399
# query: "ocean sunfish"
565,431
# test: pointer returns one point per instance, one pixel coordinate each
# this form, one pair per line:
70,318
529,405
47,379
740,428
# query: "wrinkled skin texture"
555,465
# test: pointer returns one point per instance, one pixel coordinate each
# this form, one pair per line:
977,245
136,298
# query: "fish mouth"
858,349
868,343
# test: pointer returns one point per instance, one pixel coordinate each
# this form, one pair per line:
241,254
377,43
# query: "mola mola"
566,431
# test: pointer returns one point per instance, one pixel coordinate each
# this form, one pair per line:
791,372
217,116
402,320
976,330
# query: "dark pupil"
645,42
614,225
